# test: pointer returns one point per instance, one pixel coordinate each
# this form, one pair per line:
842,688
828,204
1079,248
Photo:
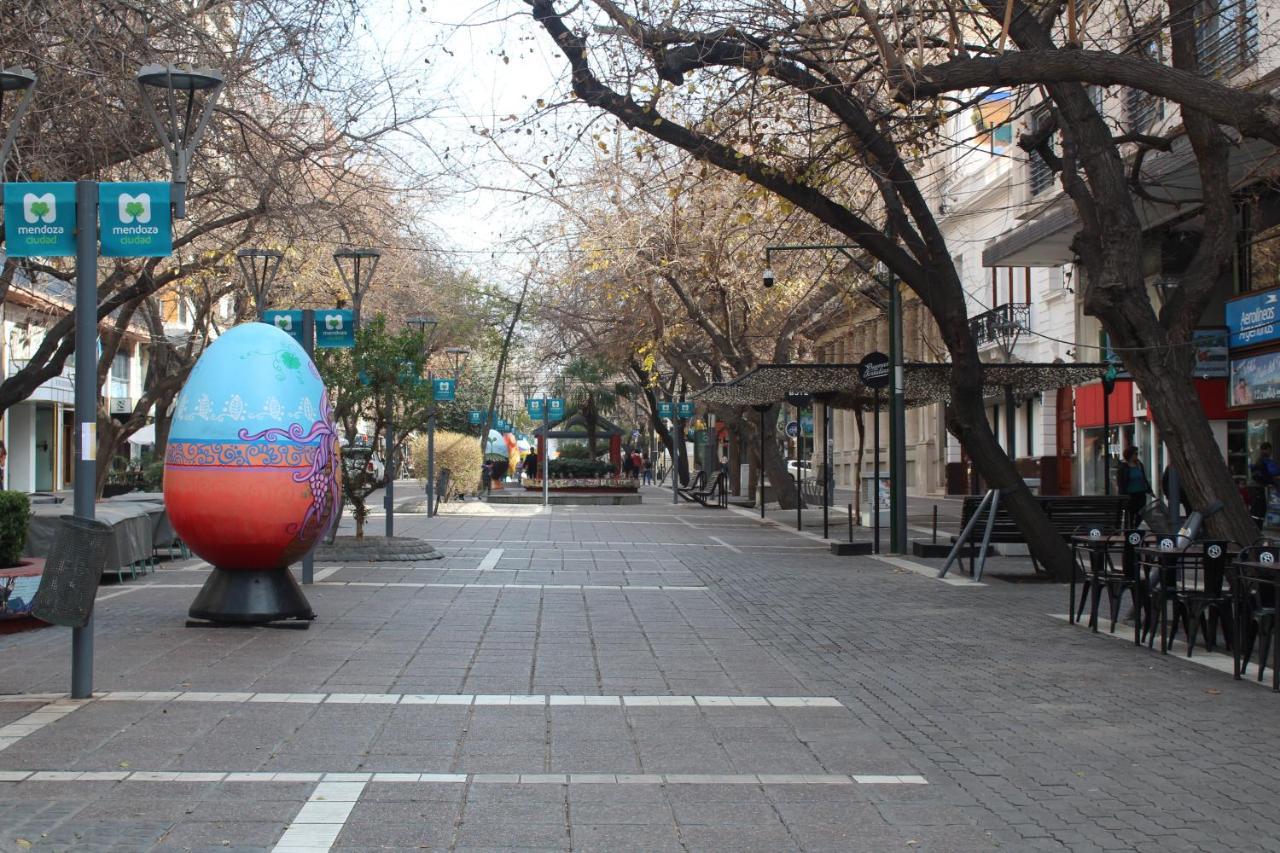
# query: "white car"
805,467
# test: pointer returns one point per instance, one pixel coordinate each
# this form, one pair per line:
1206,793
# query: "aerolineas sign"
1253,318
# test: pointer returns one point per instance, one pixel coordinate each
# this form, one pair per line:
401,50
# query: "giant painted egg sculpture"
251,472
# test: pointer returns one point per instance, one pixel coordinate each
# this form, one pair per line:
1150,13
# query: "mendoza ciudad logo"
40,214
135,214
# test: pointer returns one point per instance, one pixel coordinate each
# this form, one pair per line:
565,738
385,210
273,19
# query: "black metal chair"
1189,591
1096,550
1256,591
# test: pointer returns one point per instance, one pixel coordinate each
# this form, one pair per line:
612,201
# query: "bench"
1067,514
716,489
695,485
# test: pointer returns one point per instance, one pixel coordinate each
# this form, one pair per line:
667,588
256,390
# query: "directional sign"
665,409
685,409
555,408
40,220
534,407
475,417
289,322
134,220
335,329
443,390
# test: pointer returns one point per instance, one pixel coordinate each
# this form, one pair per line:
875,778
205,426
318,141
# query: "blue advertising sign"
335,329
685,409
555,408
665,409
1255,380
40,220
534,407
1253,319
443,390
289,322
134,220
475,417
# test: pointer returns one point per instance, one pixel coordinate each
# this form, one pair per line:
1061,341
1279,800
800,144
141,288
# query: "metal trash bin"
72,572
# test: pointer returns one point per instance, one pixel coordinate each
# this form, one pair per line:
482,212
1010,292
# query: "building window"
120,367
1259,255
1041,176
1142,109
1227,36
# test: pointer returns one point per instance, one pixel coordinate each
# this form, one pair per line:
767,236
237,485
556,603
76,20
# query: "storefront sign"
134,220
873,370
1211,353
335,329
443,390
40,220
1255,381
289,322
1252,319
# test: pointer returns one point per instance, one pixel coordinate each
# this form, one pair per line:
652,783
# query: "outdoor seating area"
140,532
1204,592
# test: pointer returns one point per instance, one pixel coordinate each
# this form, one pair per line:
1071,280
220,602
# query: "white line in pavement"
547,587
732,548
319,822
115,594
324,573
490,560
327,817
469,699
38,719
927,571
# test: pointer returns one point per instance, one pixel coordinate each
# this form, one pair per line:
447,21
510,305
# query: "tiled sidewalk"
627,678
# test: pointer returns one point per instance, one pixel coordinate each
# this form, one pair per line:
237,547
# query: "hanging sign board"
873,370
443,390
289,322
534,407
40,220
685,409
475,417
335,329
555,408
665,409
134,220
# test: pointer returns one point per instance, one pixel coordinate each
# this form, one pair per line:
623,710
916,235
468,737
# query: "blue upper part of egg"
253,377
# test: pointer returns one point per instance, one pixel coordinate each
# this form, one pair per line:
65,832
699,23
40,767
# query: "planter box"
583,484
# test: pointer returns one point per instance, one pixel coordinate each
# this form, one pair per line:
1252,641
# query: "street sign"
555,408
665,409
134,220
873,370
685,409
40,220
475,417
335,329
443,390
534,407
1252,319
289,322
793,429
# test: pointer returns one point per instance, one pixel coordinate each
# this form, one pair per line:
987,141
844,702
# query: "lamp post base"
251,597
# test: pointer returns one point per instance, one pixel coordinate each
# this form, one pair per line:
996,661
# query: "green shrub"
565,468
574,450
153,477
458,452
15,515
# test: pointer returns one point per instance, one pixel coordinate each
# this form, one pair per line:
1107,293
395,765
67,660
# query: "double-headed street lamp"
259,267
897,397
357,268
182,123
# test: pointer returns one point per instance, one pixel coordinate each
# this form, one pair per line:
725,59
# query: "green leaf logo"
134,208
40,208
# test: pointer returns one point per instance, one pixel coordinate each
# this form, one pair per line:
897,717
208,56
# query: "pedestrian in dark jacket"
1131,478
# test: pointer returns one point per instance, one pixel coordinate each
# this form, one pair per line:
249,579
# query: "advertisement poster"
1255,381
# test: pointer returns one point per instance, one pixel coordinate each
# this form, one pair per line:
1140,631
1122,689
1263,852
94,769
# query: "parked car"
805,467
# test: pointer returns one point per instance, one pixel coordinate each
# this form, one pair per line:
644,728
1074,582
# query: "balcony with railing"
1001,325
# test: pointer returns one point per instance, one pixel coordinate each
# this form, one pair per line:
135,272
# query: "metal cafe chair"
1255,581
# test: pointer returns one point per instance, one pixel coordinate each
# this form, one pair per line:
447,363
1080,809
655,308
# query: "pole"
431,449
675,435
546,452
388,497
1106,442
897,426
1010,425
86,398
826,466
875,473
760,475
309,346
799,451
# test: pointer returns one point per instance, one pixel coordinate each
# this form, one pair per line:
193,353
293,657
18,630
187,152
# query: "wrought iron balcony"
1001,325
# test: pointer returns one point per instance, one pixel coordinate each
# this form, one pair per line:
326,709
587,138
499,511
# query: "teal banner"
555,408
443,390
289,322
685,409
665,409
335,329
534,406
475,417
134,220
40,220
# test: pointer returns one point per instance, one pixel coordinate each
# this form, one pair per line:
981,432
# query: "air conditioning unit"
121,406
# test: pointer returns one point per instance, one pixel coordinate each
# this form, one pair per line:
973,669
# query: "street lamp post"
460,356
22,83
259,267
357,268
426,327
897,395
179,139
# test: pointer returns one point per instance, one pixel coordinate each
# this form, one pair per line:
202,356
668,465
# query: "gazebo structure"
574,426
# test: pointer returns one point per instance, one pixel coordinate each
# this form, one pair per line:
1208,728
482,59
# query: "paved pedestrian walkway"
628,678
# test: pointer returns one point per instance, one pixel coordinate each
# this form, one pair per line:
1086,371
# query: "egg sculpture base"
255,597
251,473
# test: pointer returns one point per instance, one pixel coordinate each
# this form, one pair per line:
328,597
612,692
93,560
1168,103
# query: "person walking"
1132,481
531,465
1264,472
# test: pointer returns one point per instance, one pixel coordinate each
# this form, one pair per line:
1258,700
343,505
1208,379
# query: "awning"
144,437
925,382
